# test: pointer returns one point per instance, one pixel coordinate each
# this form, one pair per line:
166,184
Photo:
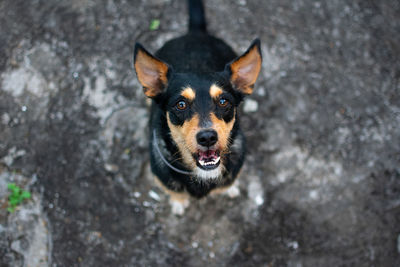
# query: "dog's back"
197,51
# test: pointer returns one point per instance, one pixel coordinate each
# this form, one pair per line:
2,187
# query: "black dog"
196,83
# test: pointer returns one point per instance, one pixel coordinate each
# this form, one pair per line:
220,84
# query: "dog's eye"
222,102
181,105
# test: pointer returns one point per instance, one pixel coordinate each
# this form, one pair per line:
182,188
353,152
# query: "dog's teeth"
208,163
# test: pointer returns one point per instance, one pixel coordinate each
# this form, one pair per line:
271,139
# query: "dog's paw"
233,191
178,206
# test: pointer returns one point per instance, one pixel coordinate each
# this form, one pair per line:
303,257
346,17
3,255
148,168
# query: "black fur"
197,60
197,20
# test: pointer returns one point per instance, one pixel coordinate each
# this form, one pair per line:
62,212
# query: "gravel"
321,183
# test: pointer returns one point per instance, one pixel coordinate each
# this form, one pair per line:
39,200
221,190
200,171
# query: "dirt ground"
321,183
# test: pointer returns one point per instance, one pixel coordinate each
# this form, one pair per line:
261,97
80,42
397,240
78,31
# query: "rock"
250,105
322,132
26,230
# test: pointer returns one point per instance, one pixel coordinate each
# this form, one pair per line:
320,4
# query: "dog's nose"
207,138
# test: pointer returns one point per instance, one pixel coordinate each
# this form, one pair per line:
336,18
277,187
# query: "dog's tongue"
208,155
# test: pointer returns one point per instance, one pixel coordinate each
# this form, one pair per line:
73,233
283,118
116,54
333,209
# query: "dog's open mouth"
208,159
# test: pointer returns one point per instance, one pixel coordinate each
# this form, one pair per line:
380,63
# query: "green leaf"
16,190
154,24
11,186
16,197
25,195
14,201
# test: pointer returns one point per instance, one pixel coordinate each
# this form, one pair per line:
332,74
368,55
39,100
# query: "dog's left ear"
151,72
244,70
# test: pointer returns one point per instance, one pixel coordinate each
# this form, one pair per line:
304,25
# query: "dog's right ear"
151,71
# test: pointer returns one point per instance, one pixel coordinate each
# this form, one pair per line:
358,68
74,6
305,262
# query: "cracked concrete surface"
321,183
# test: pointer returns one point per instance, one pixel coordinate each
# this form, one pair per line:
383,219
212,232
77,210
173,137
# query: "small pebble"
111,167
313,194
250,105
154,195
5,118
294,245
259,200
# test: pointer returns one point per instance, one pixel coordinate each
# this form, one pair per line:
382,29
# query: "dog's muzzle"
208,156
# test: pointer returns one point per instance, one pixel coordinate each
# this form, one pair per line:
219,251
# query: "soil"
321,183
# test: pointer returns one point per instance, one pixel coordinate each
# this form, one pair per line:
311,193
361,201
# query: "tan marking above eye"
215,91
188,93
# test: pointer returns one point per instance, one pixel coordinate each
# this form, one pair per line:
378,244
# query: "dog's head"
201,109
